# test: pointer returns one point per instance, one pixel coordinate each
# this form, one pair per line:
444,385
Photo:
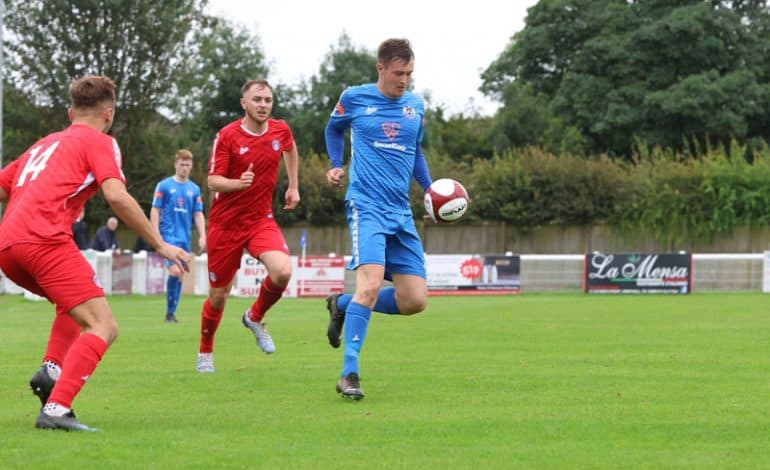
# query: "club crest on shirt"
276,145
391,129
409,112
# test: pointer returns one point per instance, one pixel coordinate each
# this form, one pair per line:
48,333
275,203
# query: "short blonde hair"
183,154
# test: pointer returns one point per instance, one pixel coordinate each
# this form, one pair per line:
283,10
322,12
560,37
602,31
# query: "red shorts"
225,248
57,272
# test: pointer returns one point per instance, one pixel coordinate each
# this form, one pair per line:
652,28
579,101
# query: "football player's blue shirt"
385,136
178,203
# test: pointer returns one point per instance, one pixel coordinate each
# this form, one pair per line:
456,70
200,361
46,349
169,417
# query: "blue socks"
386,301
173,291
356,323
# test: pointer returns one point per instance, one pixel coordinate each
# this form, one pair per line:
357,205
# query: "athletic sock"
172,294
79,364
210,318
52,369
343,301
64,332
386,301
356,323
55,409
269,293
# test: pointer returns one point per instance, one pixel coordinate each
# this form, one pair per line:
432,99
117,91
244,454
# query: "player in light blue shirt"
386,131
176,205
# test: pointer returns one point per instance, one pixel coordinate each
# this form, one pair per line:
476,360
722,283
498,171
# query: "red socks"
210,318
269,294
79,363
64,332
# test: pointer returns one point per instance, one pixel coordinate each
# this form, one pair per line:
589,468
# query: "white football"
446,200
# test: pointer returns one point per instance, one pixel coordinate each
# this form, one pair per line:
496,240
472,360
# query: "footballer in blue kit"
176,205
386,123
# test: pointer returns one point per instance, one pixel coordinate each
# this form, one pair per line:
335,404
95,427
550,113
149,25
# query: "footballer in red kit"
46,189
243,172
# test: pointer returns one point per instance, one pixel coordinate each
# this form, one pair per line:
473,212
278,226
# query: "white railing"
539,273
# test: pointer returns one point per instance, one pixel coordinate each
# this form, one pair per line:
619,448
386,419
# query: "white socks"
53,370
55,409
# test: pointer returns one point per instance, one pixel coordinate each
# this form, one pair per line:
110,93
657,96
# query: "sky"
453,42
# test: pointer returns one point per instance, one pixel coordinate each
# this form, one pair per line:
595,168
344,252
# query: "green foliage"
320,203
614,70
142,45
24,122
311,104
529,188
460,137
680,199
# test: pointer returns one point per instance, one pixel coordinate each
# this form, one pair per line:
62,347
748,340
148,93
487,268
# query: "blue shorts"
384,238
183,244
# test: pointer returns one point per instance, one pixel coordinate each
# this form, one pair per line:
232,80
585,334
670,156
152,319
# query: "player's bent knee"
112,333
414,306
281,277
218,298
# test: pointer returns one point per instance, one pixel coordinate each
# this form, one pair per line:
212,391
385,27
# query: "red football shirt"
234,149
51,181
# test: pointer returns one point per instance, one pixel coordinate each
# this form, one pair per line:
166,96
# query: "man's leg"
278,265
211,316
64,332
99,331
368,281
269,246
173,292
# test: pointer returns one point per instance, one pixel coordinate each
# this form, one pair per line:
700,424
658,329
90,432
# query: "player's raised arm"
222,184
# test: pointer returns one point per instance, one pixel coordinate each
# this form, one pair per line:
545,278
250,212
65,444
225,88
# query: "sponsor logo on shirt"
409,112
371,109
391,129
390,145
244,150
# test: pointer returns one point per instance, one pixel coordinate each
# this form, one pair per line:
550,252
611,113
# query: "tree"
24,122
223,57
142,45
653,71
343,66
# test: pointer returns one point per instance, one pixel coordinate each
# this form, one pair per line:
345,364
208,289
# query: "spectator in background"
105,238
80,231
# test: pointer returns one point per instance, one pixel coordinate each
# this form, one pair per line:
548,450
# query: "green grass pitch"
528,381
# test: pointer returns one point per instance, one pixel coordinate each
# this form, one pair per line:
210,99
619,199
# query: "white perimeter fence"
539,273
